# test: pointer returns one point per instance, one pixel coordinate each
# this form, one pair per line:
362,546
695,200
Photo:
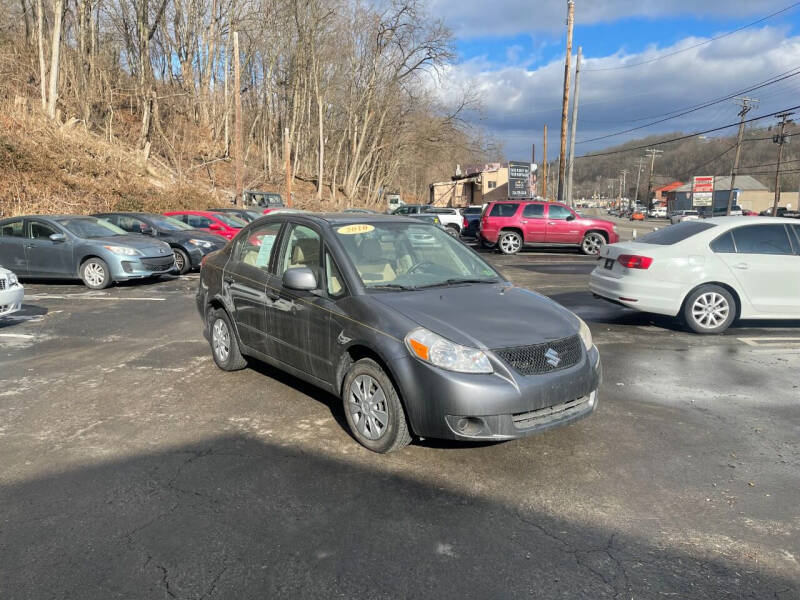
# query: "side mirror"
149,231
571,218
215,226
58,237
301,279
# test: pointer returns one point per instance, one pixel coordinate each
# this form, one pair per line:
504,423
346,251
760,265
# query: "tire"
702,300
182,261
510,242
367,377
224,345
453,231
592,243
95,274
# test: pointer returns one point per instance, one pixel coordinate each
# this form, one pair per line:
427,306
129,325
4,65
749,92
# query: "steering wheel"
418,265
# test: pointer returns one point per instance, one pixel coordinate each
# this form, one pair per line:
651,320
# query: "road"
132,467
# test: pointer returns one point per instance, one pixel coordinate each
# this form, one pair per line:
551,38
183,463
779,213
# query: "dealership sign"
519,175
703,191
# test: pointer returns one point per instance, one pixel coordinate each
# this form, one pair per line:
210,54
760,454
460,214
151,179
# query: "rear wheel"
592,243
452,230
95,274
224,346
182,261
373,409
510,242
709,309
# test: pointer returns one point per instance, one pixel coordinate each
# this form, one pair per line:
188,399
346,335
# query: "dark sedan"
414,331
189,245
86,248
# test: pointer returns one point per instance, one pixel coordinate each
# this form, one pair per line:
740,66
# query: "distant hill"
687,158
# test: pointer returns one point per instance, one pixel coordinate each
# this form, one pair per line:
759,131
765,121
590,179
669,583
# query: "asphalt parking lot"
133,467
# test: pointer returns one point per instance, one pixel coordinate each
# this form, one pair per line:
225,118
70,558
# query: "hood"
144,243
484,316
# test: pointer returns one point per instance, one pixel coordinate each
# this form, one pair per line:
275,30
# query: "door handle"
552,223
273,295
228,280
524,222
742,266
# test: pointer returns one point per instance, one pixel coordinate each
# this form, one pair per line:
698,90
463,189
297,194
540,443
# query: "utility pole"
534,176
622,189
780,139
746,104
570,200
562,157
652,153
639,177
237,134
544,166
287,148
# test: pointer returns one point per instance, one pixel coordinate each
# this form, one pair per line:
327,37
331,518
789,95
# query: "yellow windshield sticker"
355,229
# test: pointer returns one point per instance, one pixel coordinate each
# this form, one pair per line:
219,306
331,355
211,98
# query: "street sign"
703,191
519,174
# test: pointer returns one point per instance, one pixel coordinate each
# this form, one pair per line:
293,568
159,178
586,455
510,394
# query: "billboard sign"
519,175
703,191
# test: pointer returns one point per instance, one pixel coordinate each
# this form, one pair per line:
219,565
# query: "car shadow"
77,283
236,516
28,312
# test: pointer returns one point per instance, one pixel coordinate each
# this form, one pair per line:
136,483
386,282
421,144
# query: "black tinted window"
796,229
724,244
675,233
504,210
534,211
12,229
762,239
559,212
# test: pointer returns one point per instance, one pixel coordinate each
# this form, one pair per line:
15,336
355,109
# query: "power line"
695,109
684,137
698,45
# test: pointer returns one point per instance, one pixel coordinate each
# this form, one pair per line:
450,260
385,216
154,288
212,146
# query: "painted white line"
761,342
78,297
21,336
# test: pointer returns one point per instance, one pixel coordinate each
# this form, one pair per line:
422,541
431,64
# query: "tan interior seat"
372,266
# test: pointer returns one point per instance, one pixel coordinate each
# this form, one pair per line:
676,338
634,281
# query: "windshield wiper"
391,286
457,281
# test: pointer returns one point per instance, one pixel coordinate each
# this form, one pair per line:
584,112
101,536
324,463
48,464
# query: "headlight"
201,243
614,227
122,250
586,334
443,353
12,280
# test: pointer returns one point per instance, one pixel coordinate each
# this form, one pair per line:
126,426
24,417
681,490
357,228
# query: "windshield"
168,223
400,256
91,228
230,220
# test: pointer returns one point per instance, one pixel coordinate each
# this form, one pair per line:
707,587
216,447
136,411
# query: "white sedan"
11,293
708,272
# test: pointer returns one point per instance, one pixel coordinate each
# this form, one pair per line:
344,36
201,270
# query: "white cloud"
518,101
477,18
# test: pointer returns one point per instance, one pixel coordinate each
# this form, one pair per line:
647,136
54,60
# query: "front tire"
182,261
510,242
224,345
95,274
592,243
373,409
710,309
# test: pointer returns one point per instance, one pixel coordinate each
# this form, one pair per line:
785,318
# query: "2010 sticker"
355,229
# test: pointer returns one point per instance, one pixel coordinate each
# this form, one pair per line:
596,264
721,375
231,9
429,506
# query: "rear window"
504,210
473,210
675,233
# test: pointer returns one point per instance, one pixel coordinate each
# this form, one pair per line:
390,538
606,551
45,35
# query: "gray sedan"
87,248
415,332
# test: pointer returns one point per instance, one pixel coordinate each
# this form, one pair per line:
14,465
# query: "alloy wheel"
95,274
510,243
592,243
221,340
710,310
179,263
368,407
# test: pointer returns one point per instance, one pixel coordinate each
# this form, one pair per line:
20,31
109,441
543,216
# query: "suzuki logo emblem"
553,357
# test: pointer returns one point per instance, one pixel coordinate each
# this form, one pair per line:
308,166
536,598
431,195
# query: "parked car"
398,329
248,216
365,211
679,215
708,272
720,211
283,209
434,220
450,218
658,213
85,248
514,225
189,245
471,217
212,222
258,199
637,215
11,292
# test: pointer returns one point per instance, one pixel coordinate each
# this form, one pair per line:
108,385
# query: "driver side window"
559,213
41,230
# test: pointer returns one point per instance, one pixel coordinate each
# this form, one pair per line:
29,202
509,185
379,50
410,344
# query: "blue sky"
513,63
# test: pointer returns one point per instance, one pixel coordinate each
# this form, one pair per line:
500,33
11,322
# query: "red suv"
512,225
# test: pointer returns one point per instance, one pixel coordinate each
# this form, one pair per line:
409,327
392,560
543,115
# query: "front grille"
159,264
2,283
551,413
543,358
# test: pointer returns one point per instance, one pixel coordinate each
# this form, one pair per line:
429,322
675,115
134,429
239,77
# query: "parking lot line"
79,296
771,342
21,336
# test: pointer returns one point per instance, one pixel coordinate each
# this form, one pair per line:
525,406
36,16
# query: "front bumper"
11,300
135,267
460,406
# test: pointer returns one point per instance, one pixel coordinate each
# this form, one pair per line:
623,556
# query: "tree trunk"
58,17
42,65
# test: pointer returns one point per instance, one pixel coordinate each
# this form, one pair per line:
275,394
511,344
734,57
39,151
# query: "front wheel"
182,261
709,309
95,274
373,409
510,242
592,243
